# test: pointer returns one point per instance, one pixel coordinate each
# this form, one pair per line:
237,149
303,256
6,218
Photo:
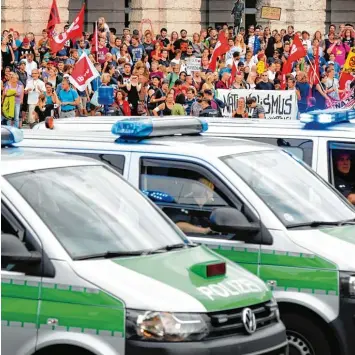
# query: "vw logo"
249,321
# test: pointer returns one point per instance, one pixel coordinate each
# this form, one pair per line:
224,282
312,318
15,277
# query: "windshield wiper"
315,224
110,254
171,247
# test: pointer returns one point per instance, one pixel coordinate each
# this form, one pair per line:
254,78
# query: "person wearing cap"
207,110
344,178
26,49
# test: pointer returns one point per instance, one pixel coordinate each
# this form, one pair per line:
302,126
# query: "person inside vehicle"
343,180
196,221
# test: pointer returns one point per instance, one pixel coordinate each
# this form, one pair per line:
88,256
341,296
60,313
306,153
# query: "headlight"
165,326
347,284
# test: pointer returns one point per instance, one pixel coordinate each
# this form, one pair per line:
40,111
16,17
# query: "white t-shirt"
271,75
38,87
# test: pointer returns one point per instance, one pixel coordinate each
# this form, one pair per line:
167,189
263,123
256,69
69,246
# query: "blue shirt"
136,53
67,96
188,106
304,92
96,83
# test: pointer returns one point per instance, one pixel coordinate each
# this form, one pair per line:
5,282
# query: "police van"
92,267
318,139
322,139
290,227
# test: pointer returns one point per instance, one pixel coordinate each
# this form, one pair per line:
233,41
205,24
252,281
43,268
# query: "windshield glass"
294,193
92,210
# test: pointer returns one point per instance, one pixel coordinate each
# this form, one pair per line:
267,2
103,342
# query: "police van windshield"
294,193
91,210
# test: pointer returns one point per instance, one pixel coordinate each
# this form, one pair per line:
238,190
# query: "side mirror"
14,251
231,220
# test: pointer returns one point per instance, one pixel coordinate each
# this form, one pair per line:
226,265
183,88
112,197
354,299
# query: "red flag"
54,18
95,40
233,73
220,49
344,84
313,73
83,73
296,52
75,30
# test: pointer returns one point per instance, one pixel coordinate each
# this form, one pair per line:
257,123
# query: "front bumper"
344,327
268,341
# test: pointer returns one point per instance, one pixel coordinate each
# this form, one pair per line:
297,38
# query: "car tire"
305,335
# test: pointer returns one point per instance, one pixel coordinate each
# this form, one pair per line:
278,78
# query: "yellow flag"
349,66
260,67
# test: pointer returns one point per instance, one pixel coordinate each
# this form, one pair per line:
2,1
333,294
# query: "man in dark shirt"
182,42
207,110
264,83
343,181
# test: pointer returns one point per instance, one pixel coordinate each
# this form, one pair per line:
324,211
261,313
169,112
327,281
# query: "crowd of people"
150,75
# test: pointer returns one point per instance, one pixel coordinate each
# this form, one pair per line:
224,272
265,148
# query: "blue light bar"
326,117
10,135
135,128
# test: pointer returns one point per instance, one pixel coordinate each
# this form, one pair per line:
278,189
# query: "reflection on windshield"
294,193
91,210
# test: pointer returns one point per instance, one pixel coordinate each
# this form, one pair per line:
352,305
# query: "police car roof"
17,160
186,145
216,126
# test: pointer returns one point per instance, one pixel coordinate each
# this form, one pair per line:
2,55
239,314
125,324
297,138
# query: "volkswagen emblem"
249,320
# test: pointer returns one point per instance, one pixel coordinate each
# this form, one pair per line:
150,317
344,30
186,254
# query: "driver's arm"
190,228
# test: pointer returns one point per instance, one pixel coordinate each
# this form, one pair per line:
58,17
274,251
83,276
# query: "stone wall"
30,15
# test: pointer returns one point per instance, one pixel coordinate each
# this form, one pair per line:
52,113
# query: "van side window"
116,161
342,168
187,195
301,148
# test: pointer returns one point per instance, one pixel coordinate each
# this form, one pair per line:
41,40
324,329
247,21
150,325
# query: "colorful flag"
296,52
220,49
83,73
74,31
54,19
95,40
349,66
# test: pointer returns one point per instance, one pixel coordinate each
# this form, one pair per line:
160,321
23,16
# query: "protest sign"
281,104
193,64
348,101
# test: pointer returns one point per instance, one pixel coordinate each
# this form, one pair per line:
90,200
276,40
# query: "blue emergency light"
135,128
10,135
327,117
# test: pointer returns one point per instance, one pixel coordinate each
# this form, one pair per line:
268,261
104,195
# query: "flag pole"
96,41
314,71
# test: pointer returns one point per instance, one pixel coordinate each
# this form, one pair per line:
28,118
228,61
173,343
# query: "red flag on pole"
297,52
75,30
344,84
220,49
83,73
313,73
95,40
233,73
54,18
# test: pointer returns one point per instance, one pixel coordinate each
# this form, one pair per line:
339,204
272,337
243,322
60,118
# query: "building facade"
32,15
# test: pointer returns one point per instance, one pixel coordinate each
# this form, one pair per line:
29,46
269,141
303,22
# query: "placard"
271,13
193,64
278,104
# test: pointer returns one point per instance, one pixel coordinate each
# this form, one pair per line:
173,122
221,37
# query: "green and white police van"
281,220
90,266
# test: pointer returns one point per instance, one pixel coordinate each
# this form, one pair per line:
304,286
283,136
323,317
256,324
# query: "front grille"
227,323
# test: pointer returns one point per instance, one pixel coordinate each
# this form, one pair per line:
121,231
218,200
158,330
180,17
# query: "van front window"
92,211
293,192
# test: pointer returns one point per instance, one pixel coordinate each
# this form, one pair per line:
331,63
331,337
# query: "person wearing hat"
26,49
207,110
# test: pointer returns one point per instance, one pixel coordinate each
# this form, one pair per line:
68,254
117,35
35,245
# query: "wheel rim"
298,344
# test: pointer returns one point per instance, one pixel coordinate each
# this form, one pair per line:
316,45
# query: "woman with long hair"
121,104
318,36
156,54
328,43
251,80
7,53
278,45
241,110
348,37
197,45
53,78
209,82
39,113
124,53
240,45
166,107
239,82
173,37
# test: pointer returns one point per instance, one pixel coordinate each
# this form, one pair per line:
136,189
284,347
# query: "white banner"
193,64
278,104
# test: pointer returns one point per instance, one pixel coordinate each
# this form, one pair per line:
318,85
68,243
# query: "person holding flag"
220,48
